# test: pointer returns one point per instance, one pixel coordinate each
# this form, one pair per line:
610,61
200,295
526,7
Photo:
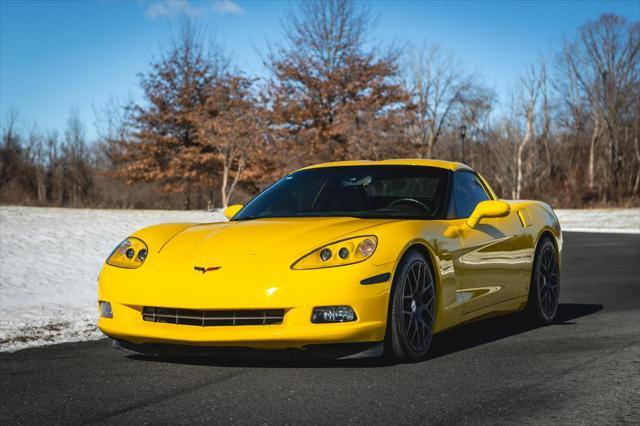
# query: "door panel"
494,262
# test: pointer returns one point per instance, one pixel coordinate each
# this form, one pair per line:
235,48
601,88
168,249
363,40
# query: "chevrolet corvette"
344,259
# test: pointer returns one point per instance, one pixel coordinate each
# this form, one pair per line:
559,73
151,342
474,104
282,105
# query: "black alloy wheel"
544,291
413,308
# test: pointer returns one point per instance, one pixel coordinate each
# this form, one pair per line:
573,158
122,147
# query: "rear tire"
412,309
544,290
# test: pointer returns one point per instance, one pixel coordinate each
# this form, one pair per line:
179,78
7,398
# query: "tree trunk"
592,151
40,187
226,193
187,197
636,185
518,188
430,142
528,135
223,189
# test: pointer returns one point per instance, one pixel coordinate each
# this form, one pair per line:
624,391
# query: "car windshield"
413,192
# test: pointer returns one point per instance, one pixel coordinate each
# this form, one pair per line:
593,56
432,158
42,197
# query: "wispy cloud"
191,9
167,8
227,6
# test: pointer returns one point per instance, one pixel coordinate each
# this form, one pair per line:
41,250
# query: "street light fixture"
463,135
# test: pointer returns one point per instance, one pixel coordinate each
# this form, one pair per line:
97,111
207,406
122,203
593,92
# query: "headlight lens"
340,253
130,254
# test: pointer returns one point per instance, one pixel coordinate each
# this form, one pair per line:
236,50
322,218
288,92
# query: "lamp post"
463,135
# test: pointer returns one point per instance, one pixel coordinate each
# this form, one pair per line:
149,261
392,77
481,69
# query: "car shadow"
445,343
496,328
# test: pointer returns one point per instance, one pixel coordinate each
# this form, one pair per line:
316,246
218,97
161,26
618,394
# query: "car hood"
289,238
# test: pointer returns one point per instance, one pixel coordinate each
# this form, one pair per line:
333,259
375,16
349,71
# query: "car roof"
442,164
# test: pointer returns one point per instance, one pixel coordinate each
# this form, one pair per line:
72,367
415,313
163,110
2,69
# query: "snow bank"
600,220
50,260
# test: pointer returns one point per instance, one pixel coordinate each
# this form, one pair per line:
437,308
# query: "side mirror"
489,208
231,211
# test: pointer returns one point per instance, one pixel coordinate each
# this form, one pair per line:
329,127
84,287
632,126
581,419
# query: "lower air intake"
212,318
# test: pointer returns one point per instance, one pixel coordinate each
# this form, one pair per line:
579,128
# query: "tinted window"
468,192
360,191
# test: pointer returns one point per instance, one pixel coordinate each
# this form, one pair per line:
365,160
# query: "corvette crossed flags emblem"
205,270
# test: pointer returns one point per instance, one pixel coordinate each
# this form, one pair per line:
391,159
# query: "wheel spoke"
551,302
427,295
410,325
416,282
423,335
427,317
549,260
417,332
408,292
421,341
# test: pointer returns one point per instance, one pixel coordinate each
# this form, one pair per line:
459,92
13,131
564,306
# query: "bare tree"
530,88
35,153
112,131
441,92
602,67
10,150
52,166
77,167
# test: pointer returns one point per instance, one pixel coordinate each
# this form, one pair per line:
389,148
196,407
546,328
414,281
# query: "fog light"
324,314
105,310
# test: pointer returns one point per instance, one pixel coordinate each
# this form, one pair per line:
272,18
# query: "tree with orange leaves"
163,133
229,127
331,97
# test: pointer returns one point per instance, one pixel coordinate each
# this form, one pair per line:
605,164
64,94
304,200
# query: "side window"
468,192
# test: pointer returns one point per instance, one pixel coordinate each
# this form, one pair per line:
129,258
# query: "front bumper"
242,287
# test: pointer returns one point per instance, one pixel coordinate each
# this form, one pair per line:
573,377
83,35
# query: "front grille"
212,318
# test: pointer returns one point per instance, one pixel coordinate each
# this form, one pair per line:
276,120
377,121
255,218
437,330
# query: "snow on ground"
600,220
49,263
50,259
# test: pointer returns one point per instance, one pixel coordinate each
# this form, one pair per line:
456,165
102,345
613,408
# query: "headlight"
130,254
340,253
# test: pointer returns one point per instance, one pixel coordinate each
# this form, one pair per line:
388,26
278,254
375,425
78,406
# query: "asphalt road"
583,370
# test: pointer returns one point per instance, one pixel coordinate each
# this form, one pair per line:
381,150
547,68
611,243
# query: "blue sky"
58,55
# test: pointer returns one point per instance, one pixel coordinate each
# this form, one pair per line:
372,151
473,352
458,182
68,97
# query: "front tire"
412,309
544,290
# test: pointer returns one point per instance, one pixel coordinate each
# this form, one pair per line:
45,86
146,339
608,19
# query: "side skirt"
501,308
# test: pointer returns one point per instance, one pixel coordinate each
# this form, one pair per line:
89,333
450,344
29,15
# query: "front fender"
156,236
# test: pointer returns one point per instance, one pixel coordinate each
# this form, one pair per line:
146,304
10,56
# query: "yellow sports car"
344,259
